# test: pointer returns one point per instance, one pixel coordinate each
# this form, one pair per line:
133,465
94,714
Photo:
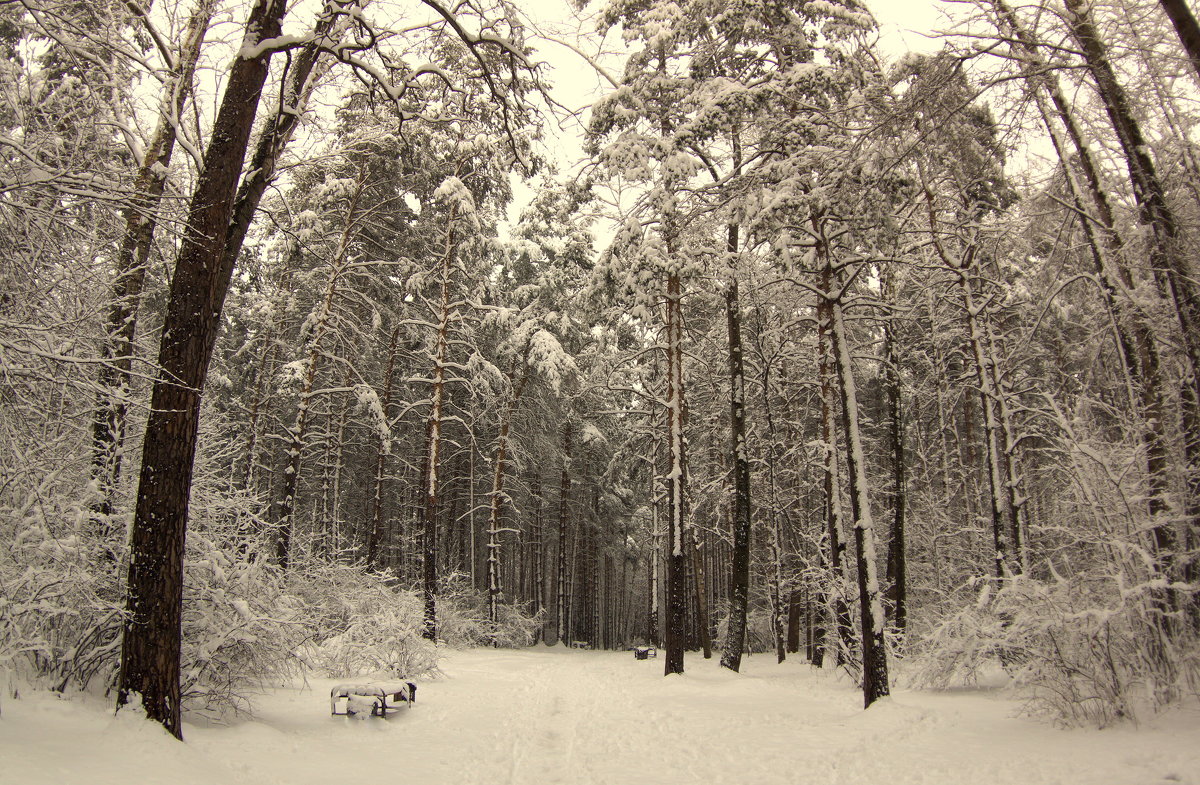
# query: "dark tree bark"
797,604
739,583
897,568
1166,257
152,636
303,76
700,588
564,496
541,552
676,621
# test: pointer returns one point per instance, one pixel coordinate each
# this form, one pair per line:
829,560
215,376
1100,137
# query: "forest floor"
550,715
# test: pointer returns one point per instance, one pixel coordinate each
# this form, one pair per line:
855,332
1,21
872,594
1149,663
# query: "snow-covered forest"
338,334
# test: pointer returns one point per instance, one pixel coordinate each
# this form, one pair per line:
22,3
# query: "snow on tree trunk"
496,507
676,621
871,615
838,580
433,438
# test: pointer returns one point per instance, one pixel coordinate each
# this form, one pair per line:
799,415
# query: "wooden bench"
372,697
644,652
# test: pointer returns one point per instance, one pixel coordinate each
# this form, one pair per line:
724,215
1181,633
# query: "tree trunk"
1136,343
897,570
964,270
564,495
700,587
653,628
433,440
496,507
1186,27
796,606
874,652
304,72
740,575
1166,255
151,645
839,579
676,622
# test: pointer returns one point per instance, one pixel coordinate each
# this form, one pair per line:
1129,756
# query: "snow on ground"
581,717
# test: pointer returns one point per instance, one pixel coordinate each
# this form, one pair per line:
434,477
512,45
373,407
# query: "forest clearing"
360,339
552,715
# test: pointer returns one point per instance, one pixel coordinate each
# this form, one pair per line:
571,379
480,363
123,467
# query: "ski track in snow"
581,717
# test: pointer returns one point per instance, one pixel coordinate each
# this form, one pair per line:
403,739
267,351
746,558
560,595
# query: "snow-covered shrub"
463,619
60,601
1082,651
240,627
360,624
387,643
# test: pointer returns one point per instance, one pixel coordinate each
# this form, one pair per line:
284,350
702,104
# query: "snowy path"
556,716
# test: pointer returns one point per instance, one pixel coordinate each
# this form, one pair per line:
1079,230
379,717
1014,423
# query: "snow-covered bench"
372,697
644,652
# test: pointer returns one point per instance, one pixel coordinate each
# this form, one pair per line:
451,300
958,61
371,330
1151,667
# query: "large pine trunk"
740,569
433,441
564,495
897,566
834,557
152,636
871,616
676,557
870,600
